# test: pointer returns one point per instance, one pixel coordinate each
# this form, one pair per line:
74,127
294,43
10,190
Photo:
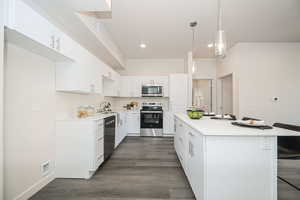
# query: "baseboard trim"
35,187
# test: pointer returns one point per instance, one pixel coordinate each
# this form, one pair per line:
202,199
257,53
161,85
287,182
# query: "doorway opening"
226,94
203,94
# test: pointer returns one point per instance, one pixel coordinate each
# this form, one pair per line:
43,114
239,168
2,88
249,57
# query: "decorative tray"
231,118
257,126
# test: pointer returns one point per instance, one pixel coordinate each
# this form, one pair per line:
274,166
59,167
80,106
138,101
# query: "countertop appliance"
152,119
152,91
109,136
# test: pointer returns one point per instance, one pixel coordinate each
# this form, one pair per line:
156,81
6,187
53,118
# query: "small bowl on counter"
195,113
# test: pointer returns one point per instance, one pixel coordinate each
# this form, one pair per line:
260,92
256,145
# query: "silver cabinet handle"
52,43
191,149
151,111
181,140
58,44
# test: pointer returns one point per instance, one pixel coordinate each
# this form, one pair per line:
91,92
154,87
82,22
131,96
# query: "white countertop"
210,127
94,117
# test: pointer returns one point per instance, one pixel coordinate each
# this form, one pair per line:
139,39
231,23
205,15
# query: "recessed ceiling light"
210,45
143,45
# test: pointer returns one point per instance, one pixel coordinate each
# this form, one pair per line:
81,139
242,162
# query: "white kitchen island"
226,162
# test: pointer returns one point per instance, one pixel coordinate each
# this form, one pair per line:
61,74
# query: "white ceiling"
163,24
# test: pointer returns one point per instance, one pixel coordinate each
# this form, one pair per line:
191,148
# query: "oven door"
152,91
151,123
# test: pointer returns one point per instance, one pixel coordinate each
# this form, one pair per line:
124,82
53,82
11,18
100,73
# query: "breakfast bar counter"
227,162
207,126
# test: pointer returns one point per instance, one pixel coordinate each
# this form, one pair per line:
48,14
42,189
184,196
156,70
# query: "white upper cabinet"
136,87
125,87
178,92
32,31
130,86
77,70
84,76
111,84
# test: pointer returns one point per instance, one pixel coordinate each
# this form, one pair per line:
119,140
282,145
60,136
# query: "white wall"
1,95
153,67
29,119
31,108
266,70
270,70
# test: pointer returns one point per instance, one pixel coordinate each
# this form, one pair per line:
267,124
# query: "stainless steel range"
152,119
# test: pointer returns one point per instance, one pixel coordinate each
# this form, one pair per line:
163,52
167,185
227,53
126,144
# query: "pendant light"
193,26
220,42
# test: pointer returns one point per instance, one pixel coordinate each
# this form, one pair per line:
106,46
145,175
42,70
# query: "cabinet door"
163,81
28,22
69,47
182,142
165,84
125,87
135,87
178,92
133,123
168,123
195,163
99,143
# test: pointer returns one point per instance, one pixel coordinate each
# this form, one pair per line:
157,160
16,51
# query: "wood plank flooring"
290,171
140,169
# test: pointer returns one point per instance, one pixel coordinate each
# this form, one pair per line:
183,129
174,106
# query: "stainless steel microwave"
152,91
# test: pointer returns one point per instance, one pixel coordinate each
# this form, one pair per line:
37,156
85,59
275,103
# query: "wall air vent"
45,168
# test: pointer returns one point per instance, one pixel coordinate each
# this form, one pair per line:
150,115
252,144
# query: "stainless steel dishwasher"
109,136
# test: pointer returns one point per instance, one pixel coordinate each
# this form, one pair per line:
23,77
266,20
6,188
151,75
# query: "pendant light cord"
220,15
193,40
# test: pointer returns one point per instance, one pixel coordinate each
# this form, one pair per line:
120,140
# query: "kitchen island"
226,162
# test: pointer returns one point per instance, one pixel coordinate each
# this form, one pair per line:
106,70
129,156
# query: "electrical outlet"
45,168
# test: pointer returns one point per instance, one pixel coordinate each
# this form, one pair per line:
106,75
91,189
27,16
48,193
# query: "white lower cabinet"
168,124
133,123
230,167
121,131
189,148
79,148
194,162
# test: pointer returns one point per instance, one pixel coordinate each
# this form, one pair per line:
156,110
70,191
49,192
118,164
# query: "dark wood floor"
140,169
290,171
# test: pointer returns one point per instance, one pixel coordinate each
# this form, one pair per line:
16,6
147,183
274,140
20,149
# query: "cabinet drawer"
99,147
99,129
98,155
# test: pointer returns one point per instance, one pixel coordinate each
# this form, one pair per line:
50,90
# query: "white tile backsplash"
119,103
